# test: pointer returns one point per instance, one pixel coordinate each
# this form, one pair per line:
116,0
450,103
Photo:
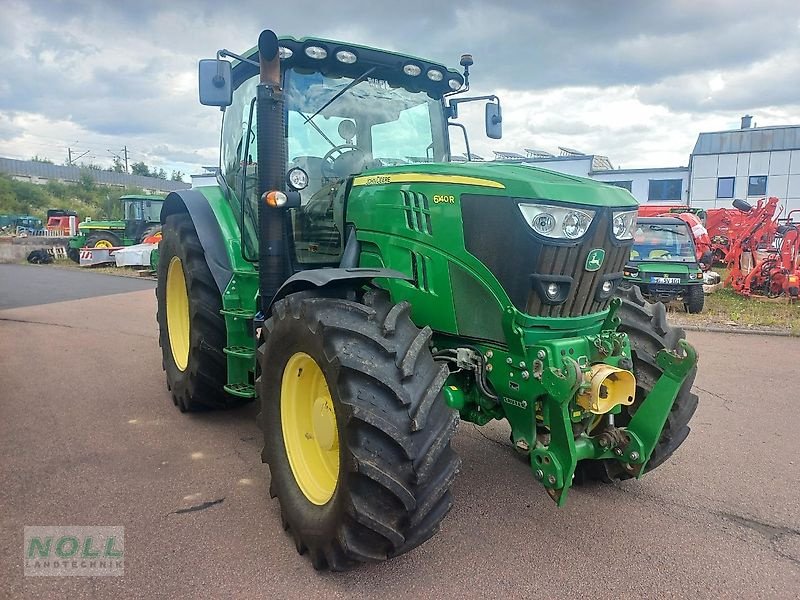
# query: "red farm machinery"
764,251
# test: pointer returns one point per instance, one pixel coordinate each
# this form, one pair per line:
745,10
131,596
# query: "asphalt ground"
89,436
27,285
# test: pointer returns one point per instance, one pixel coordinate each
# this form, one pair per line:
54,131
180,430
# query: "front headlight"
557,222
624,224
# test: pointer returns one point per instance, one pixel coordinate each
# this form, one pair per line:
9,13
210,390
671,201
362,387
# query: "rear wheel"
149,232
695,299
191,328
356,432
648,332
102,239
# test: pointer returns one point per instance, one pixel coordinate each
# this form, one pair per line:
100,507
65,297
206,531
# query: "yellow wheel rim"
178,313
308,423
103,244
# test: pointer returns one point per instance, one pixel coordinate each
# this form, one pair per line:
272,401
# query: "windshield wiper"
666,229
319,131
349,86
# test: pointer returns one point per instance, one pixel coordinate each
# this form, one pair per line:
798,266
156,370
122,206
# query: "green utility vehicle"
142,219
663,263
10,223
369,307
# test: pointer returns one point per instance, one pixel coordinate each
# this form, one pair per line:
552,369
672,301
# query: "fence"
26,232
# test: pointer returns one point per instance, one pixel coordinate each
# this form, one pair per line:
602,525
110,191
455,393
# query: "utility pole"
120,158
69,156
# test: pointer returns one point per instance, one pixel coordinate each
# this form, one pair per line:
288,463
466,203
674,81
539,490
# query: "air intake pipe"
274,260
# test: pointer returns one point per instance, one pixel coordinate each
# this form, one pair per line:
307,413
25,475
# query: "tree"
41,159
140,168
86,180
160,174
117,166
177,176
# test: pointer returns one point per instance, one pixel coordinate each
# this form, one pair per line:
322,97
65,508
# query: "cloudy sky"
634,80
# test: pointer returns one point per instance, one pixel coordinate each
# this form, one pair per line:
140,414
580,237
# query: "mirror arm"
453,104
227,53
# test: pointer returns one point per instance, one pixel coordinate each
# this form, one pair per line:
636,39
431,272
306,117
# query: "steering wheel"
350,159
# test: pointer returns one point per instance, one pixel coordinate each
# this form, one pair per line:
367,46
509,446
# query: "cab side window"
239,163
235,133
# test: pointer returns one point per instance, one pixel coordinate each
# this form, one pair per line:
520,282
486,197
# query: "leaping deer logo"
595,259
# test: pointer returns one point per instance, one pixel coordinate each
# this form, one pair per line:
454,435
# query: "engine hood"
662,268
89,225
499,179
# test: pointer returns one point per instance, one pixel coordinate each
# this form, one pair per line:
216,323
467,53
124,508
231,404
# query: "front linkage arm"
554,465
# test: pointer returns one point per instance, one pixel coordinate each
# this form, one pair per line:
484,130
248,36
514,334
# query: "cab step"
240,351
242,390
238,313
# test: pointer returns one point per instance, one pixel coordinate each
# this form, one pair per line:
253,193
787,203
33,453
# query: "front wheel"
191,328
695,299
356,432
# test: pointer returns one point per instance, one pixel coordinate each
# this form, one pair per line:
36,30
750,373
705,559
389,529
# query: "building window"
665,189
623,184
725,187
757,186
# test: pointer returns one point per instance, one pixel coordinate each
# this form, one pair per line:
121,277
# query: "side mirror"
494,120
216,85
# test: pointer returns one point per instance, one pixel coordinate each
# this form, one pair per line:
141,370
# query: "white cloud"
634,81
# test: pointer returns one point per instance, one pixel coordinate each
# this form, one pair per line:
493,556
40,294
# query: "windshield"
133,210
662,242
372,124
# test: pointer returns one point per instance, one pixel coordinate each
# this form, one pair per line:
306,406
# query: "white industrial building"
665,185
748,163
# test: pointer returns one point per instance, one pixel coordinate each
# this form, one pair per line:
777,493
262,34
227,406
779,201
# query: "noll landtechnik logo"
595,259
87,551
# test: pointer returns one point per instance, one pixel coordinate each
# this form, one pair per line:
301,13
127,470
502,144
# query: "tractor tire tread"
399,465
200,387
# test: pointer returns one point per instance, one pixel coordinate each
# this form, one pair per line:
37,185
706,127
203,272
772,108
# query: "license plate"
674,280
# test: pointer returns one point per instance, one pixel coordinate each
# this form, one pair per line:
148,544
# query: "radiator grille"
496,234
571,261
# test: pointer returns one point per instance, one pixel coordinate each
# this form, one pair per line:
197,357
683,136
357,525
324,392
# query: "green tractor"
663,263
370,307
142,219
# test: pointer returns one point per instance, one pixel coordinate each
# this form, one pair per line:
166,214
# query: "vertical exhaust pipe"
274,260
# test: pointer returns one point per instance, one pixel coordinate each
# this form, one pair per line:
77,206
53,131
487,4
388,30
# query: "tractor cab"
346,111
140,213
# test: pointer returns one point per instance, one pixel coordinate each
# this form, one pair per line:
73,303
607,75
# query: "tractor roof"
387,65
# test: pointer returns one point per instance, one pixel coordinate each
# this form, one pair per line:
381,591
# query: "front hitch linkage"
633,445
